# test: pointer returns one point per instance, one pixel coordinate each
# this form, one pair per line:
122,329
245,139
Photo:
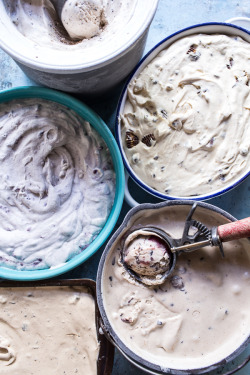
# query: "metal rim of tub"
209,28
107,327
99,125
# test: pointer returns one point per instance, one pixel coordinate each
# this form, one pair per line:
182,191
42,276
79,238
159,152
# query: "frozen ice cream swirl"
56,184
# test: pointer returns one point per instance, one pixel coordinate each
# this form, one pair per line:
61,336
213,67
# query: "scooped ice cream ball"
83,19
146,253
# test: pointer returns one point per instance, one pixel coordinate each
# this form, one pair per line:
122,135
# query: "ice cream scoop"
81,18
149,253
146,253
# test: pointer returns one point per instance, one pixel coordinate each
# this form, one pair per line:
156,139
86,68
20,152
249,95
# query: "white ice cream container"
90,70
209,29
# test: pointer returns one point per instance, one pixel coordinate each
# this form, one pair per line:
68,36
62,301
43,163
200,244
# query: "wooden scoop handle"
235,230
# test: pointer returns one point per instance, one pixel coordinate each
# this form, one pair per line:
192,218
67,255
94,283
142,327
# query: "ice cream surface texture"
146,253
185,124
57,184
199,316
82,24
39,338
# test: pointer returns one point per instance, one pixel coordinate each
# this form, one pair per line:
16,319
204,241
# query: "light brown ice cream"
185,124
48,330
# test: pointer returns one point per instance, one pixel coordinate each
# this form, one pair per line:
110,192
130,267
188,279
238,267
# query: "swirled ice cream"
185,124
81,23
199,316
39,338
57,184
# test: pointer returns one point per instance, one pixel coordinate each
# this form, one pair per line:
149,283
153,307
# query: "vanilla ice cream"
146,253
39,338
83,19
57,184
199,316
185,123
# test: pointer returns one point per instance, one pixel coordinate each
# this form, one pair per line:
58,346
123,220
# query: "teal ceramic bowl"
89,115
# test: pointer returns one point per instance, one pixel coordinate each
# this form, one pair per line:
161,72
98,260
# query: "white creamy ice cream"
199,316
39,338
57,184
83,19
185,125
93,22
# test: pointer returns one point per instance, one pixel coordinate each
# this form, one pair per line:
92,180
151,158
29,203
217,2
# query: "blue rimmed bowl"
98,124
206,28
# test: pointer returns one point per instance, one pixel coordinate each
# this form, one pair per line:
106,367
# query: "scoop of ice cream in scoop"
83,19
146,254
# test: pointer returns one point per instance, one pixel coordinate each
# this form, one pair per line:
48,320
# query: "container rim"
99,125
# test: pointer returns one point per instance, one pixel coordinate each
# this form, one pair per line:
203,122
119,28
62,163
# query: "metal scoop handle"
223,233
190,242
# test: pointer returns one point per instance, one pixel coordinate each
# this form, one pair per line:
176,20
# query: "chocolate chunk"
148,139
131,139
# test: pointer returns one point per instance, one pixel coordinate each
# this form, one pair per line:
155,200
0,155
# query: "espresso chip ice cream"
185,125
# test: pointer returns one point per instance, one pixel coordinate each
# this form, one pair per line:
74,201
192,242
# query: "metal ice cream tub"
191,324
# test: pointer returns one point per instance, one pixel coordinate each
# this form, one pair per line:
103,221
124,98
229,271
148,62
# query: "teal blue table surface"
171,16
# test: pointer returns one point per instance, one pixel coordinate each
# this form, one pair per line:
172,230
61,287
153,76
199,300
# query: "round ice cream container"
109,147
150,326
91,67
163,149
